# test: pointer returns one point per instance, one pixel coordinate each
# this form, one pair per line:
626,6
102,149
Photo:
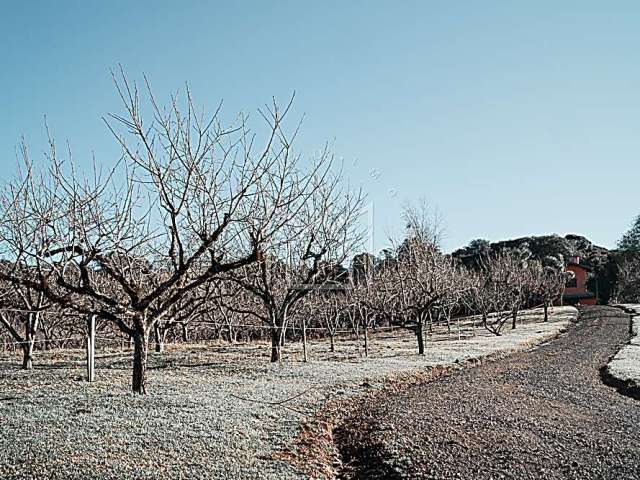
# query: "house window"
572,282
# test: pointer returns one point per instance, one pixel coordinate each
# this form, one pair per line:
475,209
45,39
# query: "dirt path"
539,414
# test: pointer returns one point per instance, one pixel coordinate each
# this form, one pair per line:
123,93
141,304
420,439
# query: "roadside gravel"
540,414
213,411
623,371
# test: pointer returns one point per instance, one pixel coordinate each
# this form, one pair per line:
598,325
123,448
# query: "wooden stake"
366,341
304,339
88,357
91,349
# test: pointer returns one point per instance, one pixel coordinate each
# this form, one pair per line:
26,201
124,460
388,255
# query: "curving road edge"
316,450
623,370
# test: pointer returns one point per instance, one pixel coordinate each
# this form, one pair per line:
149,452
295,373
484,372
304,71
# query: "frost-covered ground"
625,365
214,411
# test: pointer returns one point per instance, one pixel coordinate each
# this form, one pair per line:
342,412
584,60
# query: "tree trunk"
332,348
304,340
27,355
159,337
185,333
140,351
231,334
47,339
420,337
546,311
514,316
275,344
27,346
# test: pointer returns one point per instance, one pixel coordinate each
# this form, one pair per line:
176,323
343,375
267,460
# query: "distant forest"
612,271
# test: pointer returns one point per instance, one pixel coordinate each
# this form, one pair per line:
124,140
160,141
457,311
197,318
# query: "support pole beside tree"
91,348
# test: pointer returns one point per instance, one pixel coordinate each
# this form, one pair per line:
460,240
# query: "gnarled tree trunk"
276,340
27,355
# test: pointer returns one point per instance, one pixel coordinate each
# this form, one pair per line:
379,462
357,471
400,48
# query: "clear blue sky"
514,118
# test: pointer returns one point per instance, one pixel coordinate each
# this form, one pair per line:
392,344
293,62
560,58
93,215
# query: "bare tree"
423,278
364,308
194,304
496,291
424,222
190,201
518,262
548,281
26,307
302,248
330,306
453,300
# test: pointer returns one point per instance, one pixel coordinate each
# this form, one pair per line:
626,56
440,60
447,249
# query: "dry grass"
214,410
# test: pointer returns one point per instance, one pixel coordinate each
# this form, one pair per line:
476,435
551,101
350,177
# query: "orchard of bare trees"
204,230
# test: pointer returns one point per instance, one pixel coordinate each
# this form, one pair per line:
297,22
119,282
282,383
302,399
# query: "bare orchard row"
203,221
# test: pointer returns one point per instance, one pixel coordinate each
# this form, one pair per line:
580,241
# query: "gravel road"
538,414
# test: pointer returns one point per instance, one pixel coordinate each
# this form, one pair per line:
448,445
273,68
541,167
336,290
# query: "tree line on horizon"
613,273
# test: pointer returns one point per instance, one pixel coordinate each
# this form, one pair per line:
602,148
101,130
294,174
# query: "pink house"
576,292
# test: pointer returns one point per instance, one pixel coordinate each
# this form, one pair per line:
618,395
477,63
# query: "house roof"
579,265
